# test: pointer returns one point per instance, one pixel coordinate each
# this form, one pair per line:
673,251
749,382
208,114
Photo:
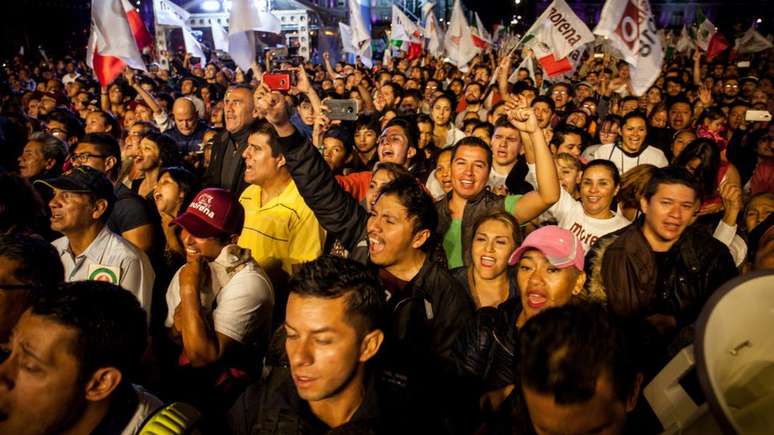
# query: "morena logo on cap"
203,205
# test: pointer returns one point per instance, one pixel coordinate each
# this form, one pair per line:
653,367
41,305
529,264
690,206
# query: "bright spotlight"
210,5
759,20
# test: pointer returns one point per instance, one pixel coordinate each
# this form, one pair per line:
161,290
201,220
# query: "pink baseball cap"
561,248
212,213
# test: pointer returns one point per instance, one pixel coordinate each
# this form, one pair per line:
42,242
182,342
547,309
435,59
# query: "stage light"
210,5
759,20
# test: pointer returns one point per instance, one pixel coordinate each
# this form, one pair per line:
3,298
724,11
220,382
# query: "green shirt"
452,240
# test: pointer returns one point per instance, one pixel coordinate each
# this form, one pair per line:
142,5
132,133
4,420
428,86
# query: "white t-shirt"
570,216
495,179
240,292
650,155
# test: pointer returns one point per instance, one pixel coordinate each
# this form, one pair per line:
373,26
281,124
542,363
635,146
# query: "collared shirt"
284,230
239,297
109,254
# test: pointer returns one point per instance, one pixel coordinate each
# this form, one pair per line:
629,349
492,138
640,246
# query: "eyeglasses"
731,86
84,157
559,93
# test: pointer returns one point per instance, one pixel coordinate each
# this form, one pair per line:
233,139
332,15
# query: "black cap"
83,179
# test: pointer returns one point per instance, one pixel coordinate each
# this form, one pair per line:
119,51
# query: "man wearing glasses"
28,266
130,217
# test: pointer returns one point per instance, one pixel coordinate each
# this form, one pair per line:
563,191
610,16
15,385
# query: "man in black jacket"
227,167
332,329
661,270
427,307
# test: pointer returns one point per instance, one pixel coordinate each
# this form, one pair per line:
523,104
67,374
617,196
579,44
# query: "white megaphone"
733,359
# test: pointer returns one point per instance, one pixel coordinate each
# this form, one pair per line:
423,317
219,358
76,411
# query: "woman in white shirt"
445,133
630,150
592,216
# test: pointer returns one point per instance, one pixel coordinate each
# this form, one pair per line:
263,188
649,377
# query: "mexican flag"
707,36
405,34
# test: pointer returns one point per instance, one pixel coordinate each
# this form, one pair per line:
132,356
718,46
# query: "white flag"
111,35
346,38
361,37
219,36
684,43
559,29
482,33
245,18
170,14
426,10
192,45
404,28
630,27
434,34
704,34
459,40
752,42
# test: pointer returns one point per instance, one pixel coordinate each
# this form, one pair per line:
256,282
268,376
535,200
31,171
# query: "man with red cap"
220,302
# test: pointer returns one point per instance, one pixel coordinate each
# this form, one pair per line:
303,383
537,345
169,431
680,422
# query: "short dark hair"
409,127
564,351
472,141
419,205
331,277
261,126
107,118
107,146
39,264
635,114
607,164
560,132
72,124
342,134
396,89
110,324
367,122
544,99
671,175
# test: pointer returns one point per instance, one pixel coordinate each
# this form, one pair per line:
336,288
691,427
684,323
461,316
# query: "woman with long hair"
156,151
445,134
488,279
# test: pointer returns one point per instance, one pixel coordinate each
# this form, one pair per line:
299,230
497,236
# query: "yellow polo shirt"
284,230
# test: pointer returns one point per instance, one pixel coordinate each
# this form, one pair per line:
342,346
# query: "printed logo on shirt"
203,204
586,238
98,272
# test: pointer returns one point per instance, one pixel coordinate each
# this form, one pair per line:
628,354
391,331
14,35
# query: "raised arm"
129,75
328,67
534,203
337,211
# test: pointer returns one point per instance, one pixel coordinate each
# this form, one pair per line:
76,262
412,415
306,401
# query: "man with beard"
473,104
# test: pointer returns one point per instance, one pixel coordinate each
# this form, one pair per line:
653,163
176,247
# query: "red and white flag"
631,29
113,43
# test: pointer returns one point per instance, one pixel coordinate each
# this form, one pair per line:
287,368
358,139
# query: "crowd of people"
484,250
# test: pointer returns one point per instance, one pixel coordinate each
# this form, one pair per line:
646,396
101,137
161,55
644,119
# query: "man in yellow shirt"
280,230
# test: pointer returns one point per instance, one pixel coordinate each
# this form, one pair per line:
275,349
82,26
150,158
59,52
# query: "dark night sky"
61,26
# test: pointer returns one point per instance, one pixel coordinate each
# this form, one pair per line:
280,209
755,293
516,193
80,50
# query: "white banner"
560,29
630,27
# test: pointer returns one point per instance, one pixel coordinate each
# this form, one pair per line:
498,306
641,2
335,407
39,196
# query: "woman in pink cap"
549,273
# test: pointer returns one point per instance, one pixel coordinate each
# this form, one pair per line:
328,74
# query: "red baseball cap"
561,248
212,213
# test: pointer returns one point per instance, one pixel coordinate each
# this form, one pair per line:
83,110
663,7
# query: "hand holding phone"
757,115
344,110
280,81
